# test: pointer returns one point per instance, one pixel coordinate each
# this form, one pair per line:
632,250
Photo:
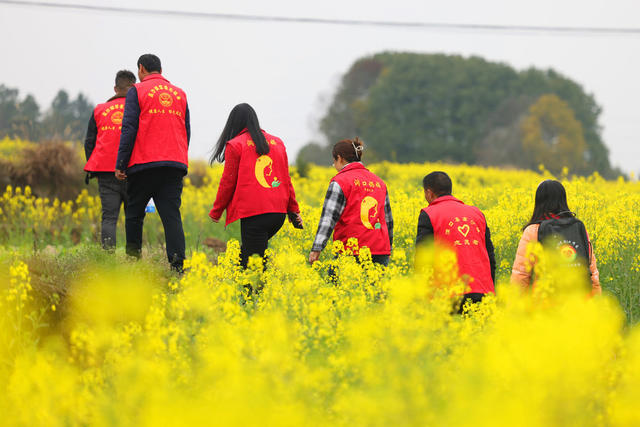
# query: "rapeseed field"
127,343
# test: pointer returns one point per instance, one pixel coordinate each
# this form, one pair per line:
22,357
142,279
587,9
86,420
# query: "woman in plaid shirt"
356,207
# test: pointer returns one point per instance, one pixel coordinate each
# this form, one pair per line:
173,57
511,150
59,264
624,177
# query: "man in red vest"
153,156
101,148
463,229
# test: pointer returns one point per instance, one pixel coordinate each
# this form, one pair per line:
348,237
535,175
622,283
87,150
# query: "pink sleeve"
595,274
522,266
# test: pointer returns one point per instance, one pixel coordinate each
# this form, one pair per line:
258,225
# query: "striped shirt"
334,204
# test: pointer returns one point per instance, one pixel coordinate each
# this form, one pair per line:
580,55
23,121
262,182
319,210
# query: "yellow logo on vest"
165,99
116,117
263,163
367,204
468,226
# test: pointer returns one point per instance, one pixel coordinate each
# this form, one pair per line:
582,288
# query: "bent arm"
227,185
292,204
491,253
90,139
425,229
130,122
388,219
334,204
522,267
596,289
187,124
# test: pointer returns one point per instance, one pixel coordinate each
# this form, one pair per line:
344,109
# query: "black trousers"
113,194
381,259
474,297
164,184
255,232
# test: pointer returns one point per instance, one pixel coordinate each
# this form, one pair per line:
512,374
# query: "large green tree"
421,107
552,136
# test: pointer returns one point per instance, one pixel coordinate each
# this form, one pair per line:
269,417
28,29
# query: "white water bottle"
151,206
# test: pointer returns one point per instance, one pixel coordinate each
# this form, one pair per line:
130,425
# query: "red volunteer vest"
462,228
162,135
108,117
263,184
363,216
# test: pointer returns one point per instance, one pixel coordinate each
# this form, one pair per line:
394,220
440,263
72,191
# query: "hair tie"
357,149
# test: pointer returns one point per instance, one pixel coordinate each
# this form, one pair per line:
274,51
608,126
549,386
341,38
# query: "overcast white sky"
288,71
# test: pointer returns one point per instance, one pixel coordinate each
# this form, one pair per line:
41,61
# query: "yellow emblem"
464,229
165,99
367,204
116,118
263,163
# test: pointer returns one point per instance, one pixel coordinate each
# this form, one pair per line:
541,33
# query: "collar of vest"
245,130
115,97
154,76
442,199
351,166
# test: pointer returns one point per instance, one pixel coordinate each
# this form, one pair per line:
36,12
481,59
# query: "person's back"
263,183
552,223
461,228
107,119
364,215
101,149
356,206
153,156
255,186
163,109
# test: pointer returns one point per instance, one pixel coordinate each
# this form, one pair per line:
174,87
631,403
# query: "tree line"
65,119
434,107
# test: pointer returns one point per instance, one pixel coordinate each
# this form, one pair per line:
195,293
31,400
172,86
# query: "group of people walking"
137,145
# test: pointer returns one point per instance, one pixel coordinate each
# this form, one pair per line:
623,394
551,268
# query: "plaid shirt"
334,204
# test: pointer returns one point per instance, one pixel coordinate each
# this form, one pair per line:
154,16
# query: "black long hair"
551,200
241,117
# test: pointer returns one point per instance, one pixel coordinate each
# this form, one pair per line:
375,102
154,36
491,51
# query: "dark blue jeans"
164,184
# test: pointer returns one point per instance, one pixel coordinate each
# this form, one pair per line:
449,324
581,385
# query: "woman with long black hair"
255,186
552,217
